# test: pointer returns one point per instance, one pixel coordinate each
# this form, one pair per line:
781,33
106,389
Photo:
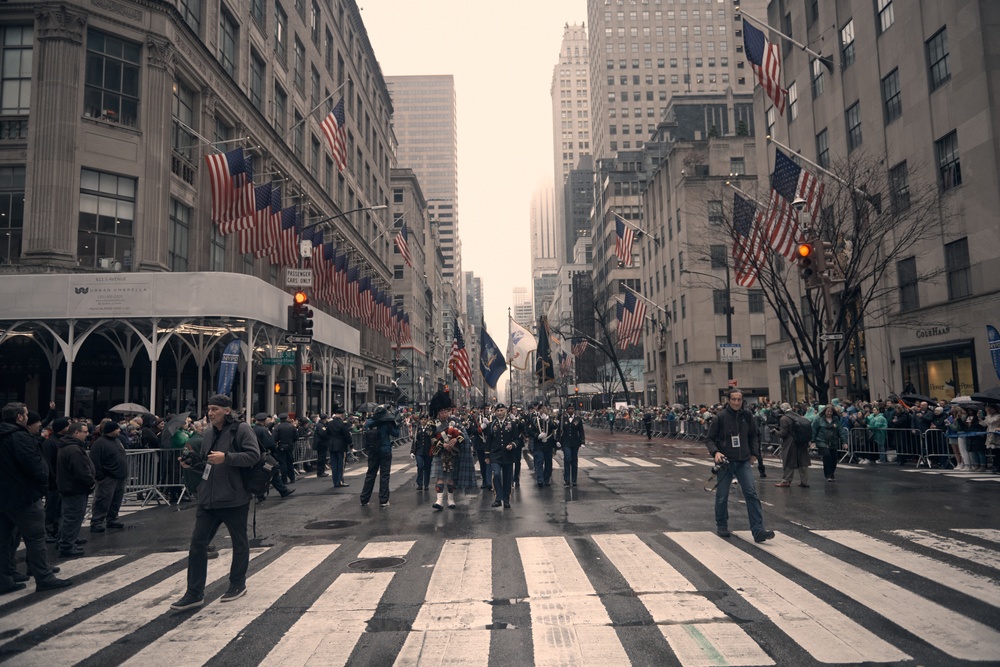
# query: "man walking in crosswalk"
734,444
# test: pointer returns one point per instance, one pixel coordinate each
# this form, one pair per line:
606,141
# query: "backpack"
258,477
372,439
801,428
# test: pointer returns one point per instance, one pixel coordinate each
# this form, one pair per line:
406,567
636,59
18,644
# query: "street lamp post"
729,311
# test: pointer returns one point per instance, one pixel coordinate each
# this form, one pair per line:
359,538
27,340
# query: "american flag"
286,251
781,225
320,269
228,174
748,246
404,247
340,265
790,181
334,127
459,361
633,318
765,63
579,346
241,213
258,236
564,363
351,293
624,236
364,286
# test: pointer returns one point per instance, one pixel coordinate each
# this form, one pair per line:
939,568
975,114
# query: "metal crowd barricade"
303,451
907,443
142,475
936,445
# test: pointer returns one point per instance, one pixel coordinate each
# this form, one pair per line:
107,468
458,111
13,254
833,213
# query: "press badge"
208,469
736,441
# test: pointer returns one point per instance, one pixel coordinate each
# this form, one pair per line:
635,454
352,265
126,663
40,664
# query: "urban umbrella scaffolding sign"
227,370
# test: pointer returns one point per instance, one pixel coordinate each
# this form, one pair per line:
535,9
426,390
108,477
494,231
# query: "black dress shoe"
496,503
97,528
766,535
52,583
80,541
71,553
20,578
13,588
722,532
116,524
506,505
323,474
288,493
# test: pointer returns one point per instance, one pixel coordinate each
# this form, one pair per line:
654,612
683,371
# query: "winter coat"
340,435
422,442
975,443
730,423
50,450
794,454
225,487
75,473
571,431
827,434
387,430
285,434
322,437
878,424
109,458
499,435
24,477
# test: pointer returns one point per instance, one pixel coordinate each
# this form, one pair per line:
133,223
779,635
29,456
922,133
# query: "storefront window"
942,372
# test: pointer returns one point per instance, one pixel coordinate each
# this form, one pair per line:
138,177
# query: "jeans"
73,509
503,474
424,462
829,461
571,455
743,472
206,523
379,463
321,453
485,469
286,461
30,521
543,466
337,467
107,500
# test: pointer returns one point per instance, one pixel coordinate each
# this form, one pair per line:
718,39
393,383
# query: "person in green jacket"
828,436
877,423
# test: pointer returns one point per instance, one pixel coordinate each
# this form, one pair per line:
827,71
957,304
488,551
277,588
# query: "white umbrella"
130,409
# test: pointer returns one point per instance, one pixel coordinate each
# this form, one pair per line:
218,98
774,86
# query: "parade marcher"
446,448
53,501
111,471
794,447
285,434
228,448
647,423
504,438
542,434
475,430
379,455
322,438
266,443
733,442
76,479
341,442
420,451
24,479
571,438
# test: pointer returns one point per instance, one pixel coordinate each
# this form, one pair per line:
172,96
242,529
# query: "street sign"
361,384
298,340
732,383
307,368
831,337
729,352
298,277
287,358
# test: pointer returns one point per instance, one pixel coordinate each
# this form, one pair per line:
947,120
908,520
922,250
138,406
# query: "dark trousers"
53,510
829,462
73,509
543,466
337,467
516,471
379,463
107,500
279,486
286,462
206,523
424,464
649,430
30,522
321,453
485,469
571,455
503,474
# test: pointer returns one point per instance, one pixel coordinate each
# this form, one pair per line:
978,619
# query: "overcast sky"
502,55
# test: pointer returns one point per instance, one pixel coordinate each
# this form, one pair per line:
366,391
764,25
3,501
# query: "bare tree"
602,341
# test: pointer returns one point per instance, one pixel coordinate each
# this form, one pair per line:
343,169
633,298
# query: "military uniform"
505,441
571,437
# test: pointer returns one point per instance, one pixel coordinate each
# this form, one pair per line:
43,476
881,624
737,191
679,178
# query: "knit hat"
60,424
221,400
33,418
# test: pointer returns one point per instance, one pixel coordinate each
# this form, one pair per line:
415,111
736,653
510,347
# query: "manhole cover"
376,563
638,509
331,525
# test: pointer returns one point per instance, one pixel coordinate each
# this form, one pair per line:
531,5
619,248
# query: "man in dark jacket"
341,442
228,449
380,457
541,430
266,442
111,470
321,443
23,482
571,438
794,449
53,501
733,443
505,441
285,434
76,479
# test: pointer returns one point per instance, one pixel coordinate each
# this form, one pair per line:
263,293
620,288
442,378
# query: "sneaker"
496,503
384,505
723,532
506,505
116,524
71,553
189,601
97,528
364,504
236,592
763,537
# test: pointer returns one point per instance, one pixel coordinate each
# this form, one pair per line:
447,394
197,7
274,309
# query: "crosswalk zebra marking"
698,631
46,610
67,570
105,628
963,550
988,534
352,600
702,462
216,624
569,624
958,636
585,463
611,463
452,622
822,631
642,463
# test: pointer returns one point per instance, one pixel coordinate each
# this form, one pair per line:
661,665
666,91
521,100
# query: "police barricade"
905,444
692,430
156,474
936,446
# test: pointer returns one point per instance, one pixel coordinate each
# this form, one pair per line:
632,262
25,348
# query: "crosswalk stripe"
956,548
46,610
398,467
67,570
822,631
105,628
451,624
569,624
955,578
702,462
216,624
988,534
352,600
957,635
585,463
698,631
642,463
611,463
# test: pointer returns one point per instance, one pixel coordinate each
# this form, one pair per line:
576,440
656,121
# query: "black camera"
717,468
190,458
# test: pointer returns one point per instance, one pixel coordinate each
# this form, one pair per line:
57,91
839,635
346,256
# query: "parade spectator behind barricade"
24,480
859,436
992,423
285,433
959,442
53,501
193,444
379,455
111,472
75,478
828,436
228,448
877,424
902,435
149,437
647,423
795,432
341,443
968,423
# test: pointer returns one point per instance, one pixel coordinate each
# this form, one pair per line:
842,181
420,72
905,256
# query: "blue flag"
227,371
491,361
994,340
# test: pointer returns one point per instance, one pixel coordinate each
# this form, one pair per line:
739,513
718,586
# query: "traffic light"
828,262
807,263
300,315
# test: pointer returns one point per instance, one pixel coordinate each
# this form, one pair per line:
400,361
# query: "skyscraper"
570,102
544,248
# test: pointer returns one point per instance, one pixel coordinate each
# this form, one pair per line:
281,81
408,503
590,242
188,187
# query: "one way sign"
833,337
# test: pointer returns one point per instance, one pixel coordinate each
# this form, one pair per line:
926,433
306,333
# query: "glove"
412,455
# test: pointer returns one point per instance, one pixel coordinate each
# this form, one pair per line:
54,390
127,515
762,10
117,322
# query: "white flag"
521,344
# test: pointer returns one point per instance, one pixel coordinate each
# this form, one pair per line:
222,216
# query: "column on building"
155,194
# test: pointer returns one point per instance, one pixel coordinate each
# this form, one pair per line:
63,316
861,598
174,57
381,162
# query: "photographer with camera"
228,447
733,442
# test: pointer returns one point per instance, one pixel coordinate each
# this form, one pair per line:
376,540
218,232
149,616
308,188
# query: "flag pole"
653,304
313,110
637,228
751,198
647,315
826,60
866,195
